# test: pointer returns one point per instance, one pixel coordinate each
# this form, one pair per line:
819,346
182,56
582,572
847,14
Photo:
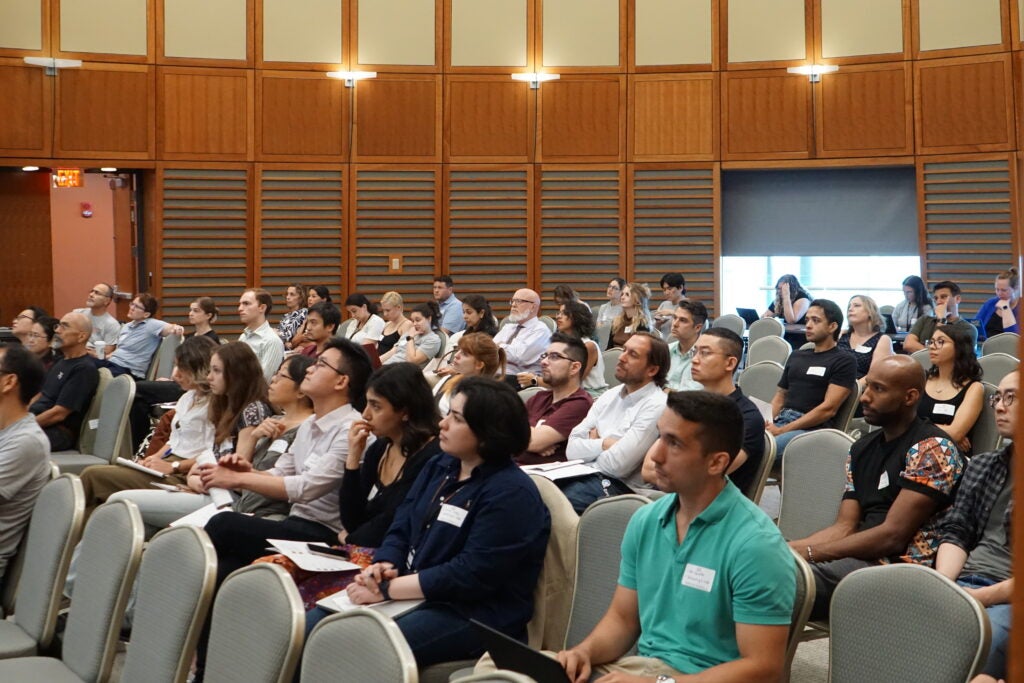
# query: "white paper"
198,518
701,578
141,468
297,552
221,497
818,370
566,470
764,408
165,487
339,602
944,409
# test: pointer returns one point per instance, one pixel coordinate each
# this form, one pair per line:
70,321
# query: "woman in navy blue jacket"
471,535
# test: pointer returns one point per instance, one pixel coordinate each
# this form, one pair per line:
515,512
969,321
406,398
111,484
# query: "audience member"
367,327
253,308
69,385
24,448
475,354
477,314
450,319
423,342
611,309
899,480
687,323
21,326
954,395
316,294
396,325
577,320
523,337
916,304
791,302
864,337
554,413
288,329
718,603
815,382
105,327
974,538
621,425
635,316
322,320
947,304
1001,313
564,294
40,341
139,339
673,285
202,313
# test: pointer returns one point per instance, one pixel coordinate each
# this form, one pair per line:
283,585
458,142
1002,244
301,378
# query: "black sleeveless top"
387,342
863,358
940,412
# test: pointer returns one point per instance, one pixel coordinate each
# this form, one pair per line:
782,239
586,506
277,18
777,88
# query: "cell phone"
328,551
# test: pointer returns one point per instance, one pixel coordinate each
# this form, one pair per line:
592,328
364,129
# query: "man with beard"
524,337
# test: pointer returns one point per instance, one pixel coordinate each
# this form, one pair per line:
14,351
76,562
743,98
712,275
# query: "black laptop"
748,314
890,326
508,653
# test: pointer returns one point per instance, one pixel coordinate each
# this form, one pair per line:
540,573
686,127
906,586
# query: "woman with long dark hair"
202,313
953,394
367,326
423,343
916,302
479,317
791,301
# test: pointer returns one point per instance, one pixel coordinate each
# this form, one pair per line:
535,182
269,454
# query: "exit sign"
67,177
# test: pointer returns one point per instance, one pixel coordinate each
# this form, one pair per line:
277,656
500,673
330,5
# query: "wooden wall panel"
106,111
964,104
583,118
26,110
398,118
205,113
766,115
26,262
865,111
673,117
488,118
301,116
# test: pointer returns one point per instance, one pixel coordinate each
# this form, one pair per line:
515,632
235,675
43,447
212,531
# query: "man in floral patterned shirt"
900,480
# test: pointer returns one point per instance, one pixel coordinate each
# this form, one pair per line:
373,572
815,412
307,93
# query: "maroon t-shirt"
562,417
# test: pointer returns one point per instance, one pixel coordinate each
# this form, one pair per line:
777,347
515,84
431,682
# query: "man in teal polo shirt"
706,580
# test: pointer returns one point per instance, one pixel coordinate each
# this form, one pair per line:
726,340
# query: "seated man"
69,385
139,338
322,322
899,480
814,382
554,413
253,308
24,449
673,285
974,538
947,304
687,323
524,337
705,582
105,327
621,425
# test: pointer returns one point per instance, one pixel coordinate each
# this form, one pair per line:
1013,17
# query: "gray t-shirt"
104,328
24,470
992,557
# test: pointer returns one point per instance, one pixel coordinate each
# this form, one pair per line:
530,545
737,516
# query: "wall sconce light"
51,65
350,77
535,79
29,169
813,71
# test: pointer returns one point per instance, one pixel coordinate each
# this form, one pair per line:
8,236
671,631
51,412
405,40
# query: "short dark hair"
497,417
359,300
732,343
833,314
356,365
719,419
208,306
321,292
262,297
446,279
49,326
37,312
328,312
658,355
696,309
429,309
954,288
404,387
26,366
575,348
150,304
674,280
295,367
110,290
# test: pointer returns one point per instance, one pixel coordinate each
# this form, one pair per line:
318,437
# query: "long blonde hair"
642,293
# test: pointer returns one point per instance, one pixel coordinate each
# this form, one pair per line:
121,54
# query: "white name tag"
701,578
863,349
816,370
373,493
451,514
278,446
94,424
883,481
944,409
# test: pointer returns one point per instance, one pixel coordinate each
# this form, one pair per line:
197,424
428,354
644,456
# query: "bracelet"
810,555
383,587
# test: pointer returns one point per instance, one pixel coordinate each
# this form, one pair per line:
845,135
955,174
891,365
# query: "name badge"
452,514
944,409
701,578
816,370
863,349
373,493
278,446
883,481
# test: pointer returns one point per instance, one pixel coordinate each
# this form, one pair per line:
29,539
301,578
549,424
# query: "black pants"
827,576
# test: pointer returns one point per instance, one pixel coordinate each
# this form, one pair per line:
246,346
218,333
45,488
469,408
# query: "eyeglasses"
1007,397
22,316
516,302
321,363
705,353
137,307
937,343
33,335
554,355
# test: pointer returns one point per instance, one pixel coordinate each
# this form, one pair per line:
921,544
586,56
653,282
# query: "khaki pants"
102,481
635,665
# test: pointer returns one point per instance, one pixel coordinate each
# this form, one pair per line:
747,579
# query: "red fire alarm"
86,210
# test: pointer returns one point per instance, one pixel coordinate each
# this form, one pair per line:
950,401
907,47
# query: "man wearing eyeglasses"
524,337
105,327
974,547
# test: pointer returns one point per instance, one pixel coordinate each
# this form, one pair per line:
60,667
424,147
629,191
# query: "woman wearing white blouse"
368,326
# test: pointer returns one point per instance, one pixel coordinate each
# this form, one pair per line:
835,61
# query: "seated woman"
322,322
475,354
953,395
476,311
791,301
613,307
21,326
423,343
635,316
470,537
367,327
295,314
916,303
1001,313
202,313
864,338
40,340
316,294
564,294
396,325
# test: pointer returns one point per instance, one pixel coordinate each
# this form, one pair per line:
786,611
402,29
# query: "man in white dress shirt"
253,308
523,337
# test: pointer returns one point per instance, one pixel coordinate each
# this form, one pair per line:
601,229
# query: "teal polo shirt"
732,566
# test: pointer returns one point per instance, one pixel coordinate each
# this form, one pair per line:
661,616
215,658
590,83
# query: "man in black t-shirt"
69,386
815,382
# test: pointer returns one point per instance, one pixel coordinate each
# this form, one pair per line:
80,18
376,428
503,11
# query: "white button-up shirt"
522,354
268,347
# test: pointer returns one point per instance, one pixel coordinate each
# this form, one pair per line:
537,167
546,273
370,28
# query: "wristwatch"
662,678
176,466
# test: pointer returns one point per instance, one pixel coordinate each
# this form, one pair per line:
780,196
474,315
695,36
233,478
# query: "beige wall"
382,40
673,32
956,23
489,33
204,29
766,30
581,32
865,27
83,248
114,26
21,24
307,31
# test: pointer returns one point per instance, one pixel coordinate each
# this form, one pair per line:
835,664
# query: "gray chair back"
813,481
257,627
360,645
1004,342
598,541
809,346
53,533
109,557
759,481
849,406
602,332
922,358
529,392
344,327
548,321
765,327
879,613
731,321
768,348
984,435
112,433
761,380
443,348
995,366
802,603
90,422
163,360
175,588
887,308
611,359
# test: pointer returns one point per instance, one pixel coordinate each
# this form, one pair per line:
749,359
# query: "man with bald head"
105,327
69,385
523,337
900,480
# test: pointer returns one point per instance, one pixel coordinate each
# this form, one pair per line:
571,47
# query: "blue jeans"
999,620
786,415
